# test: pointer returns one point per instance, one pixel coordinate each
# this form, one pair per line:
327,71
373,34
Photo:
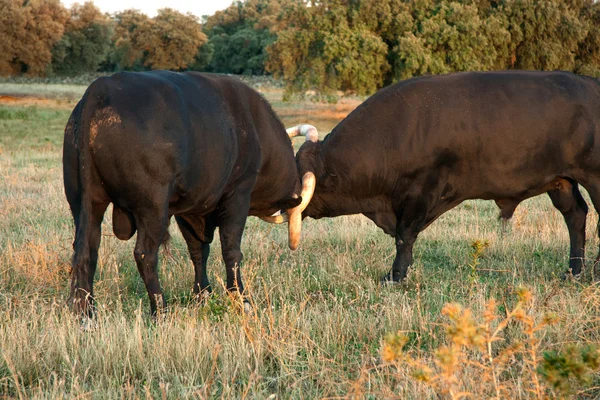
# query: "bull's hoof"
81,307
247,307
203,296
392,280
569,276
88,324
160,315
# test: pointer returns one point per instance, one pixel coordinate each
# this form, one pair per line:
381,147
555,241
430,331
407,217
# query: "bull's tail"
81,134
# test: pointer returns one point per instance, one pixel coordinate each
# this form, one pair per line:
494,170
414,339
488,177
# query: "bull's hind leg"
198,234
568,200
82,276
593,188
152,224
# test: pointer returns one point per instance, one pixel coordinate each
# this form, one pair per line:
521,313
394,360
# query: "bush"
491,346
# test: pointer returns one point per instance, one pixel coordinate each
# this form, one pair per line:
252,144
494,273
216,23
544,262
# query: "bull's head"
293,216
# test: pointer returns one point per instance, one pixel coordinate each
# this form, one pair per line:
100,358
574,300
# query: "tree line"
353,46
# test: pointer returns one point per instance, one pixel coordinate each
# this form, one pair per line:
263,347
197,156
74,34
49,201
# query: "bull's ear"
290,202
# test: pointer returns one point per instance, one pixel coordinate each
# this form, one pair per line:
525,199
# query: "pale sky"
149,7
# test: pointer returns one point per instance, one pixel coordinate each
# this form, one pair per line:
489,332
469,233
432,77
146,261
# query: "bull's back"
481,125
163,130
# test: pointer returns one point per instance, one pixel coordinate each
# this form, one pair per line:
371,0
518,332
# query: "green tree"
447,37
545,35
587,60
240,34
243,52
171,40
203,57
340,55
85,43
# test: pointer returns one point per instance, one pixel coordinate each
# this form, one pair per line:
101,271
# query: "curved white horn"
293,216
309,182
295,220
277,218
310,132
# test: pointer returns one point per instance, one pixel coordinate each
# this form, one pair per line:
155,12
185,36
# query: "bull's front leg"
412,218
404,258
232,219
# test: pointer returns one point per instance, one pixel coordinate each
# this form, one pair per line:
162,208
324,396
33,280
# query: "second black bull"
420,147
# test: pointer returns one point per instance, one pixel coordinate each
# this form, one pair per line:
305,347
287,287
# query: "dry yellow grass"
321,318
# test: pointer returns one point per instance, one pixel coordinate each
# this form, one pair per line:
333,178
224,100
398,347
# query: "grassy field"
323,326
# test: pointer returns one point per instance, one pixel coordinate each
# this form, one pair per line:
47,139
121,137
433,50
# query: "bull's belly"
198,204
518,190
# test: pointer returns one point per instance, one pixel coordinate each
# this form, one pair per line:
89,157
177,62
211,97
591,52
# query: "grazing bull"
420,147
205,148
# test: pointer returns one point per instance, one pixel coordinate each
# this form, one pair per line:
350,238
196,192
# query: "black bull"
204,148
420,147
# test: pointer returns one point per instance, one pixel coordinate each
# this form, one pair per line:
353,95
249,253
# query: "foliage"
85,43
429,37
127,52
478,247
170,40
28,31
242,52
341,54
447,37
240,34
588,53
324,47
544,34
486,347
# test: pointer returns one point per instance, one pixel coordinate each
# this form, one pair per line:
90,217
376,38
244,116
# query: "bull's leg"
568,200
233,212
198,233
82,278
152,230
411,219
412,216
404,257
593,188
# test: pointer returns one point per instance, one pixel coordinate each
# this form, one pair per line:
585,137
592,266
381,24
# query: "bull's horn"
309,131
277,218
293,216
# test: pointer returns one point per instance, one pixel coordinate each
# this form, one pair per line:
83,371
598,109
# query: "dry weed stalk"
476,361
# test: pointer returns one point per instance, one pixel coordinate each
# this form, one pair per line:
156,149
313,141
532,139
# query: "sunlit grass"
321,316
